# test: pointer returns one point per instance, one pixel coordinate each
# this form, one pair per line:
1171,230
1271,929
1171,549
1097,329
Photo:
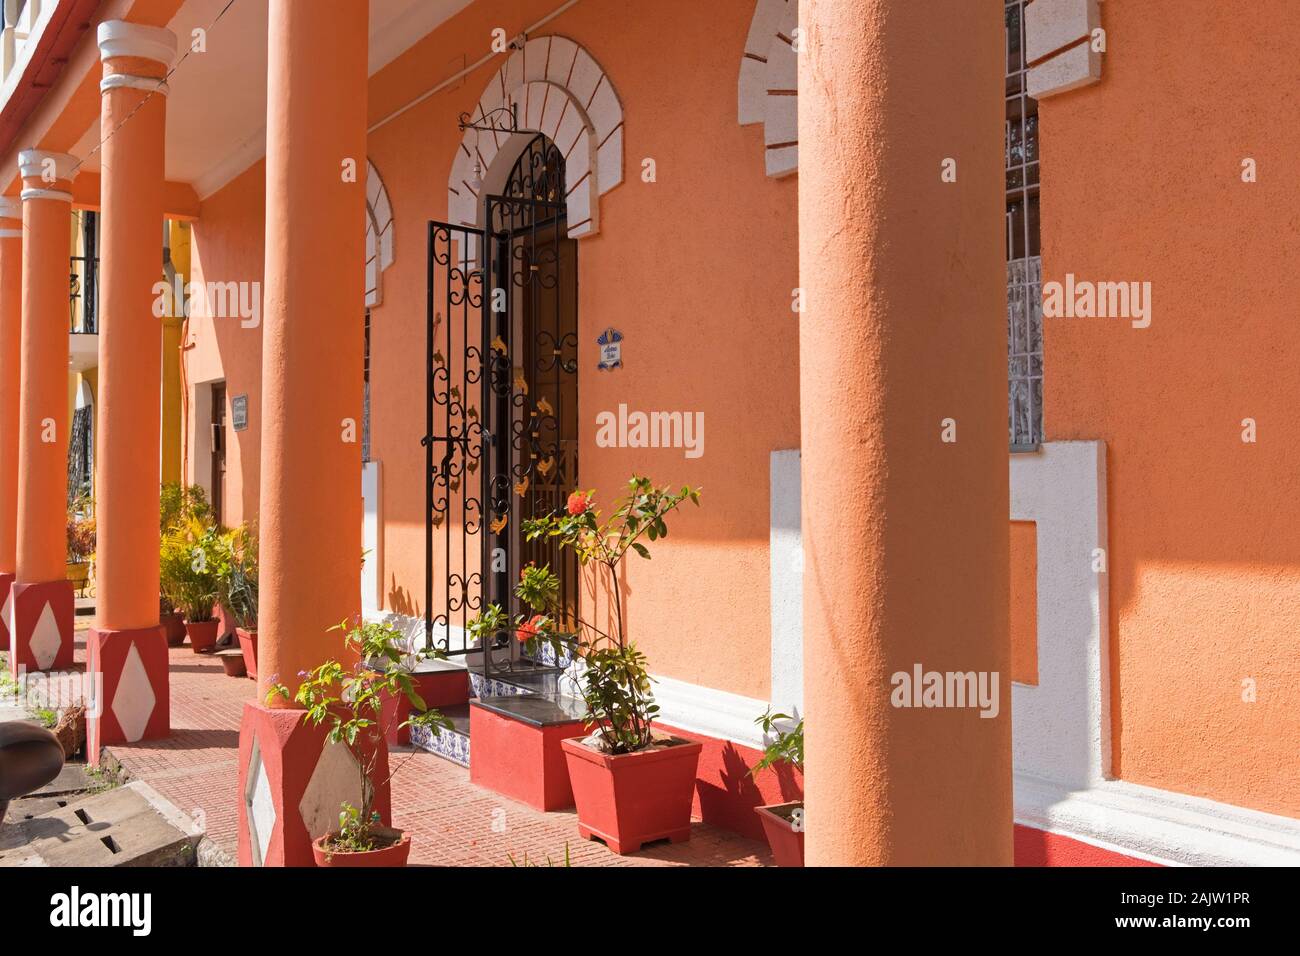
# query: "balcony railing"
20,20
83,294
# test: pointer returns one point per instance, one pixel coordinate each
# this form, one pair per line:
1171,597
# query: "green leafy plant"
615,682
81,530
237,589
349,699
549,862
193,561
178,503
785,742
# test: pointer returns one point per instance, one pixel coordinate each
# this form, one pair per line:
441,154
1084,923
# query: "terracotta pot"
248,644
630,799
233,662
395,855
786,842
174,627
202,634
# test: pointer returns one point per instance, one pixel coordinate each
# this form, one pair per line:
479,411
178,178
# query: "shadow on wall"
399,600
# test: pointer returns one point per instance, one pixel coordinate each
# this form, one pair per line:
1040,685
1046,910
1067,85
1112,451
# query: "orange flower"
579,502
530,630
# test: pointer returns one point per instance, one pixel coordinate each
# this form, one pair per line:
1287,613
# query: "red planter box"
173,626
203,635
630,799
248,644
521,757
786,842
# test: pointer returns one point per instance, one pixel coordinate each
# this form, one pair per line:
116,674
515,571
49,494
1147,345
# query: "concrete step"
451,744
132,825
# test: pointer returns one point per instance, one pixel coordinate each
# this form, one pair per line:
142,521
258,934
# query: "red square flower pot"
782,836
173,625
248,644
203,635
630,799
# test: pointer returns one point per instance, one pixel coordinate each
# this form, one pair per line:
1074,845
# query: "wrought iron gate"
501,440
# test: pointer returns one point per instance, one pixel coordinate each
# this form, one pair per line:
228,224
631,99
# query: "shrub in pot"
783,823
177,504
630,785
81,541
349,700
239,591
191,564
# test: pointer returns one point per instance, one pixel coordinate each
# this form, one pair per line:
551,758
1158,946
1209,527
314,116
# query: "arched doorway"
502,444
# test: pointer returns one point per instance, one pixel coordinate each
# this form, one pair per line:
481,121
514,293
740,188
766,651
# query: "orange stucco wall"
227,246
1024,602
1141,179
696,269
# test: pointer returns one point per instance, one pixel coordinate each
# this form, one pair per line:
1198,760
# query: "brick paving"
452,821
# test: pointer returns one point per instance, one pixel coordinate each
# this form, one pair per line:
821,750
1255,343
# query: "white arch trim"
379,235
559,89
768,90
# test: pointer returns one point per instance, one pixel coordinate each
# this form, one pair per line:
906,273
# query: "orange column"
310,508
126,648
904,432
41,605
11,319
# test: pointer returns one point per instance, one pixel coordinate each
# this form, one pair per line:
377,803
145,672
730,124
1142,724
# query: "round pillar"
310,508
11,324
41,604
127,649
903,394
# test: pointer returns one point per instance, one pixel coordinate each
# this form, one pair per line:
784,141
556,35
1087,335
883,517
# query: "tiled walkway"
452,821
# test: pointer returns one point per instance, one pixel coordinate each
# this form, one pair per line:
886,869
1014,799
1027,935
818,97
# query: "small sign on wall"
611,349
239,412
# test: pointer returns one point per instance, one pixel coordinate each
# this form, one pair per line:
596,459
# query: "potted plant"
191,565
81,541
239,591
783,823
349,699
630,785
176,503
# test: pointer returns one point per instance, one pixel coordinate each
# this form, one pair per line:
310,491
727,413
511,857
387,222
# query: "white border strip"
1173,829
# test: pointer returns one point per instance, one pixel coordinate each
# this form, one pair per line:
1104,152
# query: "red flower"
530,630
579,502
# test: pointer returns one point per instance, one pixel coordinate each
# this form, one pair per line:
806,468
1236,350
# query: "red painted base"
631,799
726,793
40,626
1041,848
436,688
6,586
129,669
521,760
292,786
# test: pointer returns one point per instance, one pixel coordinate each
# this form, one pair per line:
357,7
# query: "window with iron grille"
1024,264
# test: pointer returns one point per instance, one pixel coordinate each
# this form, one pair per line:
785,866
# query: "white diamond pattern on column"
134,699
335,781
46,639
260,808
7,615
